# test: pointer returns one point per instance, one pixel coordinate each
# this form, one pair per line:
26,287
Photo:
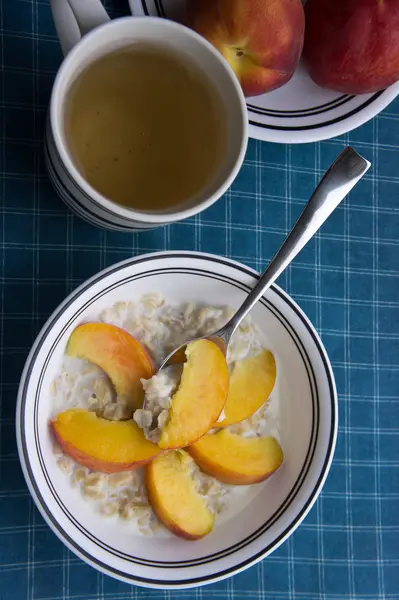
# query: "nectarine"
352,46
261,39
118,354
200,397
174,498
251,382
233,459
101,445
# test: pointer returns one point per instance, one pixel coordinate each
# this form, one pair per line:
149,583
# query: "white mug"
86,33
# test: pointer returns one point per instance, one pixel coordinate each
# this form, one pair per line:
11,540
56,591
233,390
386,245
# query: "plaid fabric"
346,279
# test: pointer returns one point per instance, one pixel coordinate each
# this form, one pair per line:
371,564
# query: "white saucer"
298,112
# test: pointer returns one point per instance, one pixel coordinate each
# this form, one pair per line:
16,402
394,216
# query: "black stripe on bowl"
159,7
145,9
305,112
126,576
318,125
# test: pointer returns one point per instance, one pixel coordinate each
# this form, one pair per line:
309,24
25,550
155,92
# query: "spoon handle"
336,183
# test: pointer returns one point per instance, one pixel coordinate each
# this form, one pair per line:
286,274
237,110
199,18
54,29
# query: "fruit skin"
261,39
251,383
101,445
174,498
118,354
352,46
200,397
233,459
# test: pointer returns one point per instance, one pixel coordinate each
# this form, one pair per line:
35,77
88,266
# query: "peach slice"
174,498
251,382
200,397
233,459
118,354
101,445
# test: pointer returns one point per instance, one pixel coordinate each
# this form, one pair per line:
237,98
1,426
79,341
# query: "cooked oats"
160,327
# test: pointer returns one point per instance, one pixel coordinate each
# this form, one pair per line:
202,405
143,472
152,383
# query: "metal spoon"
336,183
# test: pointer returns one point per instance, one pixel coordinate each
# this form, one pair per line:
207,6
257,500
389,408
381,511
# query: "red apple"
352,46
261,39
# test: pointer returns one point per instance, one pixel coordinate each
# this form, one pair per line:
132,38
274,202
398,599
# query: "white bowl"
299,111
305,388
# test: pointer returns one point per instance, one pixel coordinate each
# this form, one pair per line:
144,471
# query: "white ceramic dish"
308,425
102,36
298,112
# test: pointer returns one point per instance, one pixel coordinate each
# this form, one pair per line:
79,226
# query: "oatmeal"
158,398
160,388
160,327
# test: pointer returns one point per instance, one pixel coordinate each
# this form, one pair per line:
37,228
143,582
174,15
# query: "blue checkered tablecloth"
346,280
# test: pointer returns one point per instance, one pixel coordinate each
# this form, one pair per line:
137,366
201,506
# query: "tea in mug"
145,127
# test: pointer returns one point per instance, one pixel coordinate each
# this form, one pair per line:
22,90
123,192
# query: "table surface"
346,280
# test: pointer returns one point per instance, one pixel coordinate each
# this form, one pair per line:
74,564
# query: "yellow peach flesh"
233,459
200,397
251,383
118,354
174,498
101,445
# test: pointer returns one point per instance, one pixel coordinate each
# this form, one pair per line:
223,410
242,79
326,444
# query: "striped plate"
305,391
298,112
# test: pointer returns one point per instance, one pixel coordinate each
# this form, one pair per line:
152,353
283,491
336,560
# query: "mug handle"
74,18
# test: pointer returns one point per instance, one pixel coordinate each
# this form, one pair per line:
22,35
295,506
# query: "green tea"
145,128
